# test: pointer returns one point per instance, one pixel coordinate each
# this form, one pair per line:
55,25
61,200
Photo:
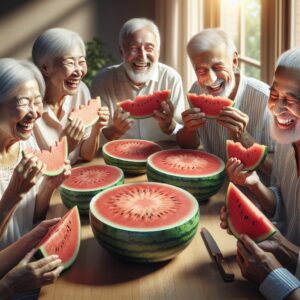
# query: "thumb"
251,246
28,256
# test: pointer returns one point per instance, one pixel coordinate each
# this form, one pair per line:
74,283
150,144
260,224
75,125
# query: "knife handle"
228,277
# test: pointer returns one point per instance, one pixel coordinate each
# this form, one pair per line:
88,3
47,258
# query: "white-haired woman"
24,196
60,55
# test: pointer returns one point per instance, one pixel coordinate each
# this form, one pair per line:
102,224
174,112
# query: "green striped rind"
260,161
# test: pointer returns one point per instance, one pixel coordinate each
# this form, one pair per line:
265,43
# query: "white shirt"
251,98
48,128
22,220
112,85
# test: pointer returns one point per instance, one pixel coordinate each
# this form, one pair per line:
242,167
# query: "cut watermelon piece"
251,158
144,222
208,104
87,181
200,173
62,239
243,217
87,113
54,158
130,155
143,106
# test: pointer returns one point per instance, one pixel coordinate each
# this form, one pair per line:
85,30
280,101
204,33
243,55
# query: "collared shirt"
113,85
48,128
21,221
251,98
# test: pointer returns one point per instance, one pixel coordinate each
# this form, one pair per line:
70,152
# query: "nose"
211,77
279,106
142,53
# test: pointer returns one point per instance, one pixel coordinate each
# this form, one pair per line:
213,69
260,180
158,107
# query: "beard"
285,136
140,77
227,89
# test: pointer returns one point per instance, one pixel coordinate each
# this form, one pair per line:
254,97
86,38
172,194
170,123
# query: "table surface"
96,274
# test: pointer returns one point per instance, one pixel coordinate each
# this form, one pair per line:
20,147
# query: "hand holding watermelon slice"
193,119
164,117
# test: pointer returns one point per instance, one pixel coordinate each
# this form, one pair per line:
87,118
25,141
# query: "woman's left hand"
103,117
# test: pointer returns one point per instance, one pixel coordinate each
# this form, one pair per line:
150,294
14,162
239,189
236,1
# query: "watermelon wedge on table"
62,239
144,222
250,157
54,158
243,217
143,106
208,104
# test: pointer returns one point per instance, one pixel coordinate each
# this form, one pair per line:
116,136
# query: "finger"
196,116
240,261
166,107
49,223
193,110
27,258
50,277
44,261
50,266
235,114
232,125
238,167
251,246
29,166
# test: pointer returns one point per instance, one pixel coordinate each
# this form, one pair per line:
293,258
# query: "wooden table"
96,274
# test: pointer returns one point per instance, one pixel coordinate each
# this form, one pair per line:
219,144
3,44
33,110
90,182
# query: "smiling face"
140,55
284,104
18,116
64,74
215,71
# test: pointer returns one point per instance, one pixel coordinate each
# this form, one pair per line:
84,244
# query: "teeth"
141,64
285,121
27,126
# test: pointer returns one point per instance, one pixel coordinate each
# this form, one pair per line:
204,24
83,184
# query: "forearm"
5,290
187,139
90,146
111,133
295,295
169,128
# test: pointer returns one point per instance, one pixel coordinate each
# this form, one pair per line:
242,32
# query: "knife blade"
216,254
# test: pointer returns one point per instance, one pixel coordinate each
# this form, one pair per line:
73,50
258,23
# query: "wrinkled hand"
121,121
104,117
29,275
193,119
25,176
234,120
255,263
234,169
74,132
223,219
164,117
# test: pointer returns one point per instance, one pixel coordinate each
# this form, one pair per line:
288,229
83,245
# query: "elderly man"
215,60
140,73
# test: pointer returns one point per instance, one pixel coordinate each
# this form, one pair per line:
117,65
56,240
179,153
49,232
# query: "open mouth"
285,123
141,66
25,126
72,83
215,89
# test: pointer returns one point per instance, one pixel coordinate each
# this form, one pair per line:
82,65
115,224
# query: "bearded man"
139,74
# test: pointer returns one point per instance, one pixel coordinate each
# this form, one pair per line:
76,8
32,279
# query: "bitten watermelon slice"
87,113
54,158
143,106
62,239
144,222
130,155
250,157
208,104
245,218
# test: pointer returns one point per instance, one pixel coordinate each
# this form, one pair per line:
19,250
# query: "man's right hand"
193,119
121,122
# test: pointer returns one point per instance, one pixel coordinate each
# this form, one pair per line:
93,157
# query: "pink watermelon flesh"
131,149
54,158
251,158
208,104
245,218
62,239
143,106
87,113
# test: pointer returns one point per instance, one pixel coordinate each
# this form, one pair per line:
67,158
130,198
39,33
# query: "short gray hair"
208,39
53,43
14,73
290,59
136,24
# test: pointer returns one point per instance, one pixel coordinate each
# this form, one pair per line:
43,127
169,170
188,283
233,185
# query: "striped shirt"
112,85
251,98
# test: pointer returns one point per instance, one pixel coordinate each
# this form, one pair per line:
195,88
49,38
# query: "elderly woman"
60,56
22,201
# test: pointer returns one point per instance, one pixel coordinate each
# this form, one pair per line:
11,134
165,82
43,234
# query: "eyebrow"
73,57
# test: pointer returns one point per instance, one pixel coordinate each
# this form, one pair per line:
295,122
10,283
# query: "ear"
45,70
121,52
235,60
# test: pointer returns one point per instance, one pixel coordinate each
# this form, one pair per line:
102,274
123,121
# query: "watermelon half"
143,106
129,155
208,104
54,158
144,222
62,239
200,173
85,182
250,157
243,217
87,113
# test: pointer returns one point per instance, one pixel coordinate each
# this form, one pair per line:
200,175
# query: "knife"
216,254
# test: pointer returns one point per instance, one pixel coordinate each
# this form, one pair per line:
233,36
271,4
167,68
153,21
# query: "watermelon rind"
42,252
145,245
247,201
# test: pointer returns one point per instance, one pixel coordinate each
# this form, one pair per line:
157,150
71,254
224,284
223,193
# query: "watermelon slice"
208,104
87,181
87,113
245,218
143,106
54,158
200,173
144,222
130,155
250,157
62,239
